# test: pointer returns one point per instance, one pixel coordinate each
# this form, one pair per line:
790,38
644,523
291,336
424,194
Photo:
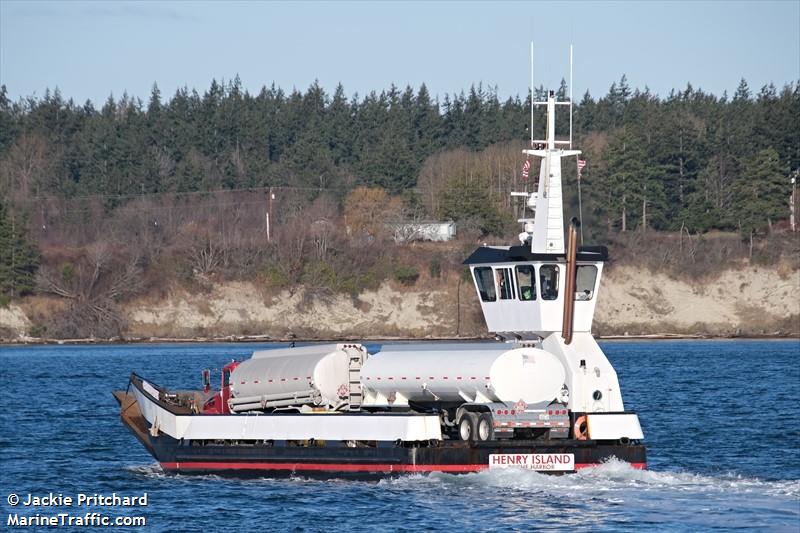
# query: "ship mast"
546,230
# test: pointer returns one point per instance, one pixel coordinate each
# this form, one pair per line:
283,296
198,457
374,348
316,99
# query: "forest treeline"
689,159
100,204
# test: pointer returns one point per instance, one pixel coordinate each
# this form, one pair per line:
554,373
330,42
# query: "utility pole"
269,210
793,202
13,254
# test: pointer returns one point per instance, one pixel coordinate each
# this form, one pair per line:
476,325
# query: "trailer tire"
484,430
466,426
580,429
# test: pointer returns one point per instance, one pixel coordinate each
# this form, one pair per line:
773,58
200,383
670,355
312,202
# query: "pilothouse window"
584,282
525,283
505,283
484,281
548,279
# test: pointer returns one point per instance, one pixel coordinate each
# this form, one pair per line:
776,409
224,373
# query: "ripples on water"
721,420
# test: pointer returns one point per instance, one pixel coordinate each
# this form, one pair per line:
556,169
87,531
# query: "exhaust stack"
569,289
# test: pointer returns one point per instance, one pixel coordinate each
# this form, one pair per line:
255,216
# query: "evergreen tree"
426,125
337,128
761,193
19,259
469,202
624,184
7,125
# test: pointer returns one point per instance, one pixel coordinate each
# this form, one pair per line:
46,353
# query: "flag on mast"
526,167
581,164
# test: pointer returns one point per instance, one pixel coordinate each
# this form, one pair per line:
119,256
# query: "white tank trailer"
402,377
317,375
323,375
458,373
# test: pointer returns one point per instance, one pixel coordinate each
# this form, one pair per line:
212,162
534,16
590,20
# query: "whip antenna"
570,97
531,126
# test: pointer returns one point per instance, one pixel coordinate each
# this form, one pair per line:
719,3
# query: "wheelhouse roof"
518,254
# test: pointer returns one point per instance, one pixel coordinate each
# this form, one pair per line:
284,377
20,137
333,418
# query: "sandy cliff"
243,309
746,301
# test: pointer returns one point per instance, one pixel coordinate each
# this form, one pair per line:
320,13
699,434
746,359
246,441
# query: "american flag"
526,167
581,164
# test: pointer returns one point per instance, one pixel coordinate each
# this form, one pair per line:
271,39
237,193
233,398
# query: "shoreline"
254,339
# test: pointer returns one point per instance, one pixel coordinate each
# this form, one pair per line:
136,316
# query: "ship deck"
364,459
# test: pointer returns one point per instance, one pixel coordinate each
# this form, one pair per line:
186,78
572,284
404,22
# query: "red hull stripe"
345,467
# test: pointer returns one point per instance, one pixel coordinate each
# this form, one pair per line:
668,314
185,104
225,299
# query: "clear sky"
91,49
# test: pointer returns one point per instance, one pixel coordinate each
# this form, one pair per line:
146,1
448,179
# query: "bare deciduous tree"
26,168
93,283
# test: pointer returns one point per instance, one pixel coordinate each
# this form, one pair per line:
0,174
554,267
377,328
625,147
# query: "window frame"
542,292
479,284
532,285
507,274
594,283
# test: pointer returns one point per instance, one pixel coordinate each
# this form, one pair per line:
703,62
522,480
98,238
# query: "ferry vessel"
542,396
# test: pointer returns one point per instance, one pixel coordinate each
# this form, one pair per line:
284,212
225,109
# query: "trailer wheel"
485,428
466,426
580,429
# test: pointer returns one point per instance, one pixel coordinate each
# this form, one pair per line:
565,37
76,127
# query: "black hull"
376,459
386,459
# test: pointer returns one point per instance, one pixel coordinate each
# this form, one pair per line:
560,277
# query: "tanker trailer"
481,389
317,375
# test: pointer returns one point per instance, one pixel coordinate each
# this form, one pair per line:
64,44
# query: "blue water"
721,419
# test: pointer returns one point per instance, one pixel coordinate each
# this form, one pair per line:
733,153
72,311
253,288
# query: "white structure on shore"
426,230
